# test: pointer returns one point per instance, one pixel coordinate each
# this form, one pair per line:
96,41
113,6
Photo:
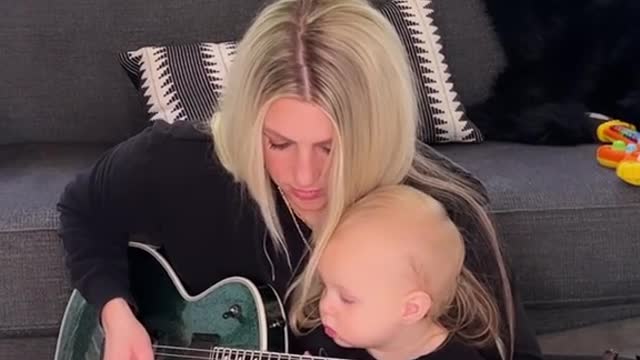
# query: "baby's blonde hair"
460,303
345,57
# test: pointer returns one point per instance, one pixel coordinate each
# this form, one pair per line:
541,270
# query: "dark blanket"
565,58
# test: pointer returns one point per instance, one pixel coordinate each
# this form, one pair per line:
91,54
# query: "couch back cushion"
62,82
61,79
471,46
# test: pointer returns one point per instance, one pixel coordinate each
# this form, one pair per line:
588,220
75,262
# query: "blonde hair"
461,303
346,57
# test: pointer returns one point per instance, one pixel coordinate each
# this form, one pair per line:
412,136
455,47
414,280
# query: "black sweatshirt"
453,349
167,184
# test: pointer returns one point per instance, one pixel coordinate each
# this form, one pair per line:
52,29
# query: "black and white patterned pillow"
442,114
180,82
184,82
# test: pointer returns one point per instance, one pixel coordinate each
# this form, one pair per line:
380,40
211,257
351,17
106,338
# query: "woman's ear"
416,306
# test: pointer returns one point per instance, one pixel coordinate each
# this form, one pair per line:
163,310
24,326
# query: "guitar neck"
226,353
221,353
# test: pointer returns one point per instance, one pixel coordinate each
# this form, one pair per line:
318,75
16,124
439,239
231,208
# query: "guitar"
233,319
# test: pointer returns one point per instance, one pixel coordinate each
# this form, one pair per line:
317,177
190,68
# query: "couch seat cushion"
570,227
33,283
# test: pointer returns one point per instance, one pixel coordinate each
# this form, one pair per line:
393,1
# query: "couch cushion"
59,63
39,348
569,226
471,47
31,180
619,335
62,81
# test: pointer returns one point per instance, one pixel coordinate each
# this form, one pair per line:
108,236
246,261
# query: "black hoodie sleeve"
98,210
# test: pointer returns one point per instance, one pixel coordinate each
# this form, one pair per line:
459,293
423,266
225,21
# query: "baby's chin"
343,343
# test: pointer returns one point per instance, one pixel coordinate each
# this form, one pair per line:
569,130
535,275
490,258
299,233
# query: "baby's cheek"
361,321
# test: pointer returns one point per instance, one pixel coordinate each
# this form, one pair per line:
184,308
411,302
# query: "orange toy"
612,155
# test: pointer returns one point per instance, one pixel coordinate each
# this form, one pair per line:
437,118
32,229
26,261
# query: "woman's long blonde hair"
344,56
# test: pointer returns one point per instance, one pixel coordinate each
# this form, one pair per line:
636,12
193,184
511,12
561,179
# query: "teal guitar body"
232,319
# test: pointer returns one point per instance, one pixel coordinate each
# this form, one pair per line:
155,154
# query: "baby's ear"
416,307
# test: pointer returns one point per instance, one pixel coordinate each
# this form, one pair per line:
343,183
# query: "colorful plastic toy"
613,130
611,155
629,169
623,151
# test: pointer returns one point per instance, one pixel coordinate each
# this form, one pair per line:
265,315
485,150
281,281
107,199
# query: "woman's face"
297,139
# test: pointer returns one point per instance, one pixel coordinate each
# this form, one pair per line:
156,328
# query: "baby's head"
395,262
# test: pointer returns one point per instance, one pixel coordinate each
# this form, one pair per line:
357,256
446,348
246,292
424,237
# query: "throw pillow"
180,82
184,82
442,114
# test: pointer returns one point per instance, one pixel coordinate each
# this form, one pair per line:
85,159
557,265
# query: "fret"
222,353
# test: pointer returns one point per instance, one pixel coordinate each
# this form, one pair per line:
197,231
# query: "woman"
319,109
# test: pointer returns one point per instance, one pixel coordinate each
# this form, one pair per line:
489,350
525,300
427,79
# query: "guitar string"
233,352
181,356
234,356
215,349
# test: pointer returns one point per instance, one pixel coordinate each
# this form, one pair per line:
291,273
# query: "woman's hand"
125,337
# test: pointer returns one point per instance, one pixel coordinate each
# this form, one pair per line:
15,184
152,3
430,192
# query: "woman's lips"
306,194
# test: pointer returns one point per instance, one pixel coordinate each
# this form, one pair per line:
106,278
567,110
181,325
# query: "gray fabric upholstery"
557,228
63,82
31,180
593,339
58,64
38,348
559,319
471,47
32,266
534,178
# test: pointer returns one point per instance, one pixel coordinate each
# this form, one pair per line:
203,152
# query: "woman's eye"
279,146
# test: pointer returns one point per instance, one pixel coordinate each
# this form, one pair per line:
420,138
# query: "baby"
394,282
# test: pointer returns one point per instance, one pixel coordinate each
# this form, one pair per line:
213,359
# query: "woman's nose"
305,169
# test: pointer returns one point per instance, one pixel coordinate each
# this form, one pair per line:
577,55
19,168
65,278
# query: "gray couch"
570,227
